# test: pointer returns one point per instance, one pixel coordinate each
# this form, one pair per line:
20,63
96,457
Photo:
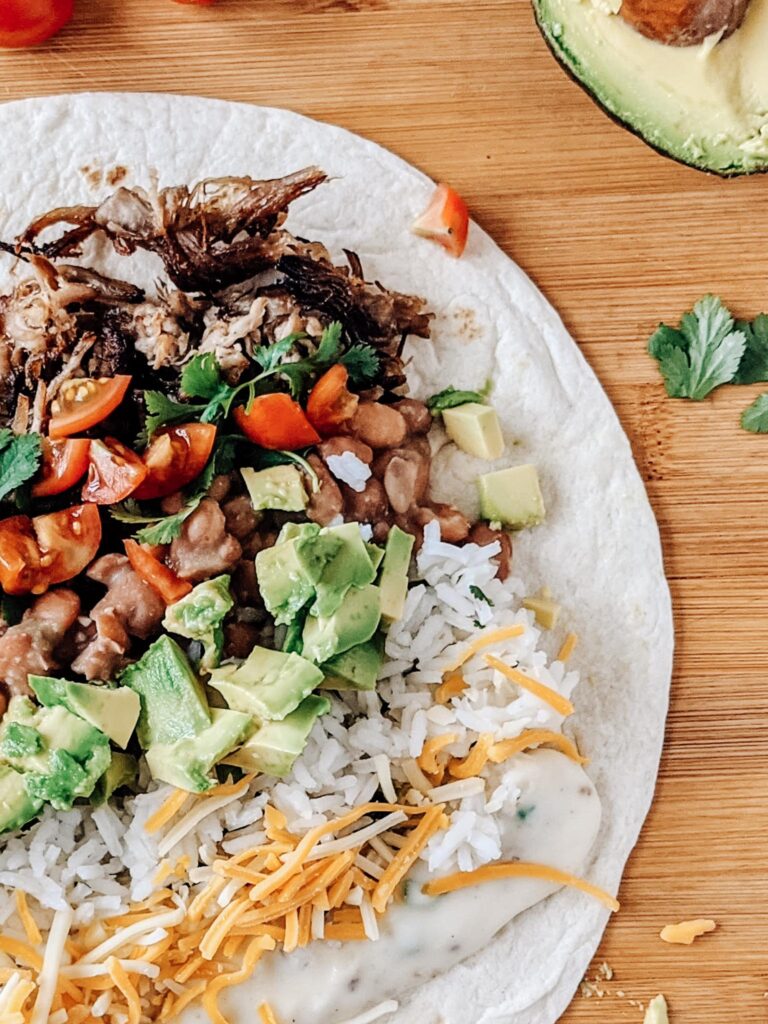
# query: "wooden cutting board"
618,238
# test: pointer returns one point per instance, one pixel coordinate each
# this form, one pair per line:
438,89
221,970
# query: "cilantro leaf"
270,356
702,354
450,397
480,595
19,459
162,410
201,377
164,530
362,363
755,416
754,363
330,344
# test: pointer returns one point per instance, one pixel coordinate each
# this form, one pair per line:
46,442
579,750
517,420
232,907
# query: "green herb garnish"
450,397
754,363
480,595
20,456
755,416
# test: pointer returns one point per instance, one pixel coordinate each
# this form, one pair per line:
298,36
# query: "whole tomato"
29,22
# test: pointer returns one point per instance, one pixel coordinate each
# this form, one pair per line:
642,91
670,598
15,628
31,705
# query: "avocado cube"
376,555
355,669
173,703
475,429
274,746
17,807
355,622
288,572
188,763
394,574
113,712
123,771
279,487
512,497
268,685
351,566
60,756
546,610
199,616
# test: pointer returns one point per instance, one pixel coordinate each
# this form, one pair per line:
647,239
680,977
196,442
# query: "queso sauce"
554,821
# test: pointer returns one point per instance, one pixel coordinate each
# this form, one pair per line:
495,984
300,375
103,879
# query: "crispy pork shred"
28,648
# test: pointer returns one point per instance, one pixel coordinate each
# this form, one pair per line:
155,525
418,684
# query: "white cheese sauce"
554,822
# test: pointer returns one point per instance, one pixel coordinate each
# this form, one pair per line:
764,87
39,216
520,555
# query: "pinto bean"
482,534
339,445
220,487
417,415
406,479
454,527
380,426
240,517
368,505
240,638
327,502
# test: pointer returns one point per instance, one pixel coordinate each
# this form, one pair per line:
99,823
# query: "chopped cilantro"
754,363
755,417
700,355
362,363
20,456
480,595
450,397
201,377
269,357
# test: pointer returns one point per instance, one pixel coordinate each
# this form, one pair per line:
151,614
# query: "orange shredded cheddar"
189,970
21,951
291,940
454,684
427,760
405,858
274,820
475,761
173,1007
685,932
305,924
254,952
168,809
569,645
230,788
484,640
267,1015
516,869
118,975
34,938
556,700
505,749
218,931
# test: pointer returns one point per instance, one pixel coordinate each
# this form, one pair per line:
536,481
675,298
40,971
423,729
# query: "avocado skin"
574,69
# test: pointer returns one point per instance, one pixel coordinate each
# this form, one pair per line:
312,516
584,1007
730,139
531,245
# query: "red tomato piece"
445,220
29,22
114,472
64,462
20,568
277,422
331,403
84,402
156,573
68,541
174,458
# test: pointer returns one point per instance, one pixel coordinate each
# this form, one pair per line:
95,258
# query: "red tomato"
276,421
64,462
156,573
36,553
174,458
29,22
84,402
114,472
445,220
68,540
330,403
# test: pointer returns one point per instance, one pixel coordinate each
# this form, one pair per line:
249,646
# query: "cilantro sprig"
20,456
450,398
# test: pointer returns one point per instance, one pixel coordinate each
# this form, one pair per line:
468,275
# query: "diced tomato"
331,403
68,540
64,462
29,22
277,422
84,402
156,573
114,472
445,220
36,553
174,458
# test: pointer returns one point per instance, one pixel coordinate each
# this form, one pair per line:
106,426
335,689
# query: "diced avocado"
512,497
355,622
657,1012
173,703
546,610
475,429
269,684
187,763
293,642
123,770
394,574
274,746
280,487
288,572
114,712
350,567
60,756
376,555
355,669
199,616
17,807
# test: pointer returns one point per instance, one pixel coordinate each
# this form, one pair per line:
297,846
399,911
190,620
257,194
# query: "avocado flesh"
199,616
188,763
269,684
17,807
355,669
113,712
704,105
123,771
274,746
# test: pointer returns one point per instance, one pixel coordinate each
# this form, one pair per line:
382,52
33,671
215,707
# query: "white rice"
350,470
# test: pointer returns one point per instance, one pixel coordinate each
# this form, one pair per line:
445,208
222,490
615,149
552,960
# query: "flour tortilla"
599,550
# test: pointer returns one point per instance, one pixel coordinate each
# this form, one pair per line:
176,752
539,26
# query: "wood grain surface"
617,237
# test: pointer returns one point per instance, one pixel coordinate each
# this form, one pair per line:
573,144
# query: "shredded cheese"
484,640
427,760
505,749
475,761
684,933
516,869
47,981
34,938
556,700
454,685
405,857
569,645
267,1015
256,949
121,980
167,810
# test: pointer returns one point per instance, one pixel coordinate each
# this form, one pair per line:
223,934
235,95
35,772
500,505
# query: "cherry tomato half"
84,402
29,22
114,472
20,569
445,220
174,458
330,403
156,573
277,422
36,553
64,462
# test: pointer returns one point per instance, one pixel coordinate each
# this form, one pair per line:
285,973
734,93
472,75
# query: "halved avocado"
704,105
